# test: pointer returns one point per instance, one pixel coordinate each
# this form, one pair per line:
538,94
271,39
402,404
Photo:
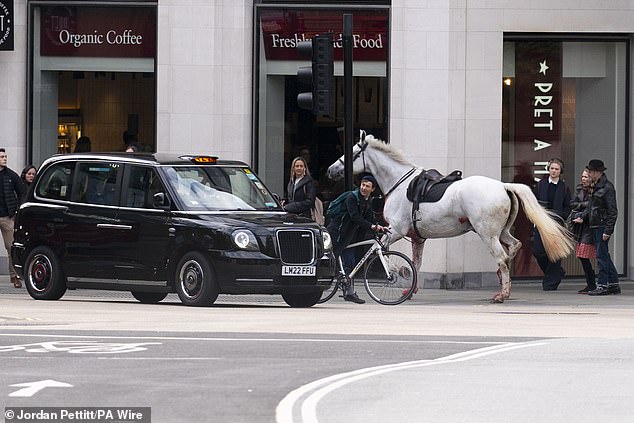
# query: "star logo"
543,67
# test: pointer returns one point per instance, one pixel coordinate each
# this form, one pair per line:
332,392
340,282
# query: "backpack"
317,212
337,207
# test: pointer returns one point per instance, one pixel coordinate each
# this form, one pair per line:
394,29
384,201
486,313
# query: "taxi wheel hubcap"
40,272
192,278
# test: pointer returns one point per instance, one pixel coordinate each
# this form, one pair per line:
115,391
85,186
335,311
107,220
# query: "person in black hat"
601,215
356,220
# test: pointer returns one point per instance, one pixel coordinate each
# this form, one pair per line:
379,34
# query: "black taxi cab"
153,224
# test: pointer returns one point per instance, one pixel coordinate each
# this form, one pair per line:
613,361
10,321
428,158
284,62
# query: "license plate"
298,270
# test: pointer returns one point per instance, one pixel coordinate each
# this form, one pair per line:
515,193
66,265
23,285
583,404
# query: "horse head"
336,170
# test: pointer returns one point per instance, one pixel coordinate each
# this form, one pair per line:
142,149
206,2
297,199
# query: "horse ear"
362,135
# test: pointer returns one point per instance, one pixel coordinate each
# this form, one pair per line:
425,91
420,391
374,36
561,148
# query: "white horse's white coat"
476,203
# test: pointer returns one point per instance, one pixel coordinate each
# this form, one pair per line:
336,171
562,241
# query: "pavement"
530,312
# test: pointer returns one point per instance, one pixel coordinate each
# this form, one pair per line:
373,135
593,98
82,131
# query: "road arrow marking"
32,388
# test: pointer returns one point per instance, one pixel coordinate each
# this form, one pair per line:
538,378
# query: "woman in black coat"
584,235
553,194
301,190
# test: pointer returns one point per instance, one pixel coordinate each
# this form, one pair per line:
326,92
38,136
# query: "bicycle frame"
376,246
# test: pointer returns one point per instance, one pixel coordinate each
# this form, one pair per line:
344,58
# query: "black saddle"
430,185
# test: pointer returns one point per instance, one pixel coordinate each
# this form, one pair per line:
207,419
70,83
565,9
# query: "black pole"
347,101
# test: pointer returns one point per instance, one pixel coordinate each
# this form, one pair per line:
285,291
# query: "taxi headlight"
327,240
245,240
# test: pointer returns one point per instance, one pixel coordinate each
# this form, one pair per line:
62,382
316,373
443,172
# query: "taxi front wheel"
307,299
43,275
194,280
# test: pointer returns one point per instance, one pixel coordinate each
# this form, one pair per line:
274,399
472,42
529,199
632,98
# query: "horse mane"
386,148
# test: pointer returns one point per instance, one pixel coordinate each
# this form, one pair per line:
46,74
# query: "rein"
400,181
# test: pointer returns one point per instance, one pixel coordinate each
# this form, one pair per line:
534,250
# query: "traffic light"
320,76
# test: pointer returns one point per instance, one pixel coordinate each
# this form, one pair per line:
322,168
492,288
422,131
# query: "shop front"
91,77
282,130
565,97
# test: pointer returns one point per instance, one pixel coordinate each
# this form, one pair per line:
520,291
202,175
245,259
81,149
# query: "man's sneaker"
354,298
614,289
601,290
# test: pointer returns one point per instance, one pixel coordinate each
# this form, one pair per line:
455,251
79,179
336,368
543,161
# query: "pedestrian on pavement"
12,192
354,223
601,215
584,236
28,174
553,194
301,190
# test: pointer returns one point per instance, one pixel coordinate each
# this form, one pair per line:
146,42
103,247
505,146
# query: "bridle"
362,146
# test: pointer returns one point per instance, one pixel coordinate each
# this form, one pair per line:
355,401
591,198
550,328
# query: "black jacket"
301,198
602,210
354,223
14,190
579,204
561,203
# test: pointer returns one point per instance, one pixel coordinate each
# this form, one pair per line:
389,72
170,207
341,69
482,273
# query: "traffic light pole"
347,101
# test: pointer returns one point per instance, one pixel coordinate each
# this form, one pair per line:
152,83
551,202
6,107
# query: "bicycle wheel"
395,286
330,292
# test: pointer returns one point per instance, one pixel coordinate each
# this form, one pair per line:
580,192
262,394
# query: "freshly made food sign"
6,25
98,32
283,29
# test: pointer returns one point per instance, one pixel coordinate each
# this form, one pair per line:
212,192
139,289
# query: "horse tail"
557,240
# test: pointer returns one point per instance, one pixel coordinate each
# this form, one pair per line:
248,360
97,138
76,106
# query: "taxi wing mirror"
160,201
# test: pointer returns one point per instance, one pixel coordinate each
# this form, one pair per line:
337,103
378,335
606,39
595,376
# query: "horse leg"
497,251
417,257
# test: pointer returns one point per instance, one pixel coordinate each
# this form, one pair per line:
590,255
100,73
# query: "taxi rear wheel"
307,299
149,297
43,275
194,280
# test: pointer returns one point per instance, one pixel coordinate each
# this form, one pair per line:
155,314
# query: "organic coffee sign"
98,31
6,25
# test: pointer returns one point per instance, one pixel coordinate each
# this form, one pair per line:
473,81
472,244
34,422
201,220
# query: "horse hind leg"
502,258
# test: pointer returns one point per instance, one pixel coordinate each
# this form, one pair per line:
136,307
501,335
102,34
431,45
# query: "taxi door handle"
110,226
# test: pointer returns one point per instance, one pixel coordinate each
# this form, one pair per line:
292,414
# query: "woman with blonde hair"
301,190
584,236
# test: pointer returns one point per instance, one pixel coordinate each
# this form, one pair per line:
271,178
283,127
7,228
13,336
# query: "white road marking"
322,387
227,339
32,388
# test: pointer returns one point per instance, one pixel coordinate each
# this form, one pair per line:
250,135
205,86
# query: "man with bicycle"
353,224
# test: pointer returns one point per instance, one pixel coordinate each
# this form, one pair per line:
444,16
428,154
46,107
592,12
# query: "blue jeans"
607,271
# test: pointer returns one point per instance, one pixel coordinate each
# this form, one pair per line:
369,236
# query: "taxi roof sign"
205,159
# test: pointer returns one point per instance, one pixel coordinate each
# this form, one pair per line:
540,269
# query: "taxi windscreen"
223,188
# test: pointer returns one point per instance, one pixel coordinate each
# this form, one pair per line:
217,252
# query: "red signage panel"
283,29
98,31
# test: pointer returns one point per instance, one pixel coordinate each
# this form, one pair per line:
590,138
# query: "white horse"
483,205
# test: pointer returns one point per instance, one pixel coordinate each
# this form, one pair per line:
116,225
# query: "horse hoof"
497,299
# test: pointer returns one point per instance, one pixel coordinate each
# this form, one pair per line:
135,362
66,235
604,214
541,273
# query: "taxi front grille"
296,246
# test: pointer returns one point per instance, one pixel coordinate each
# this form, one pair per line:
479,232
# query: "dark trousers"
607,273
552,270
589,272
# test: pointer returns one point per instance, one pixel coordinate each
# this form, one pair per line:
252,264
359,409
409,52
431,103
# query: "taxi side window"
143,183
56,183
98,183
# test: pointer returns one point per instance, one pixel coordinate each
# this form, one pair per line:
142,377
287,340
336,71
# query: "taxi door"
142,254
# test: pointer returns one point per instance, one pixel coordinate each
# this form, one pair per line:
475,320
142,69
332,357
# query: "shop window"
282,130
92,75
564,99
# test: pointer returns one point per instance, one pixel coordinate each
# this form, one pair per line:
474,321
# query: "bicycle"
389,277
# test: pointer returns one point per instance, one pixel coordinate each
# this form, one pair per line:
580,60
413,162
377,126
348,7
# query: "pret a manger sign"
98,31
6,25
